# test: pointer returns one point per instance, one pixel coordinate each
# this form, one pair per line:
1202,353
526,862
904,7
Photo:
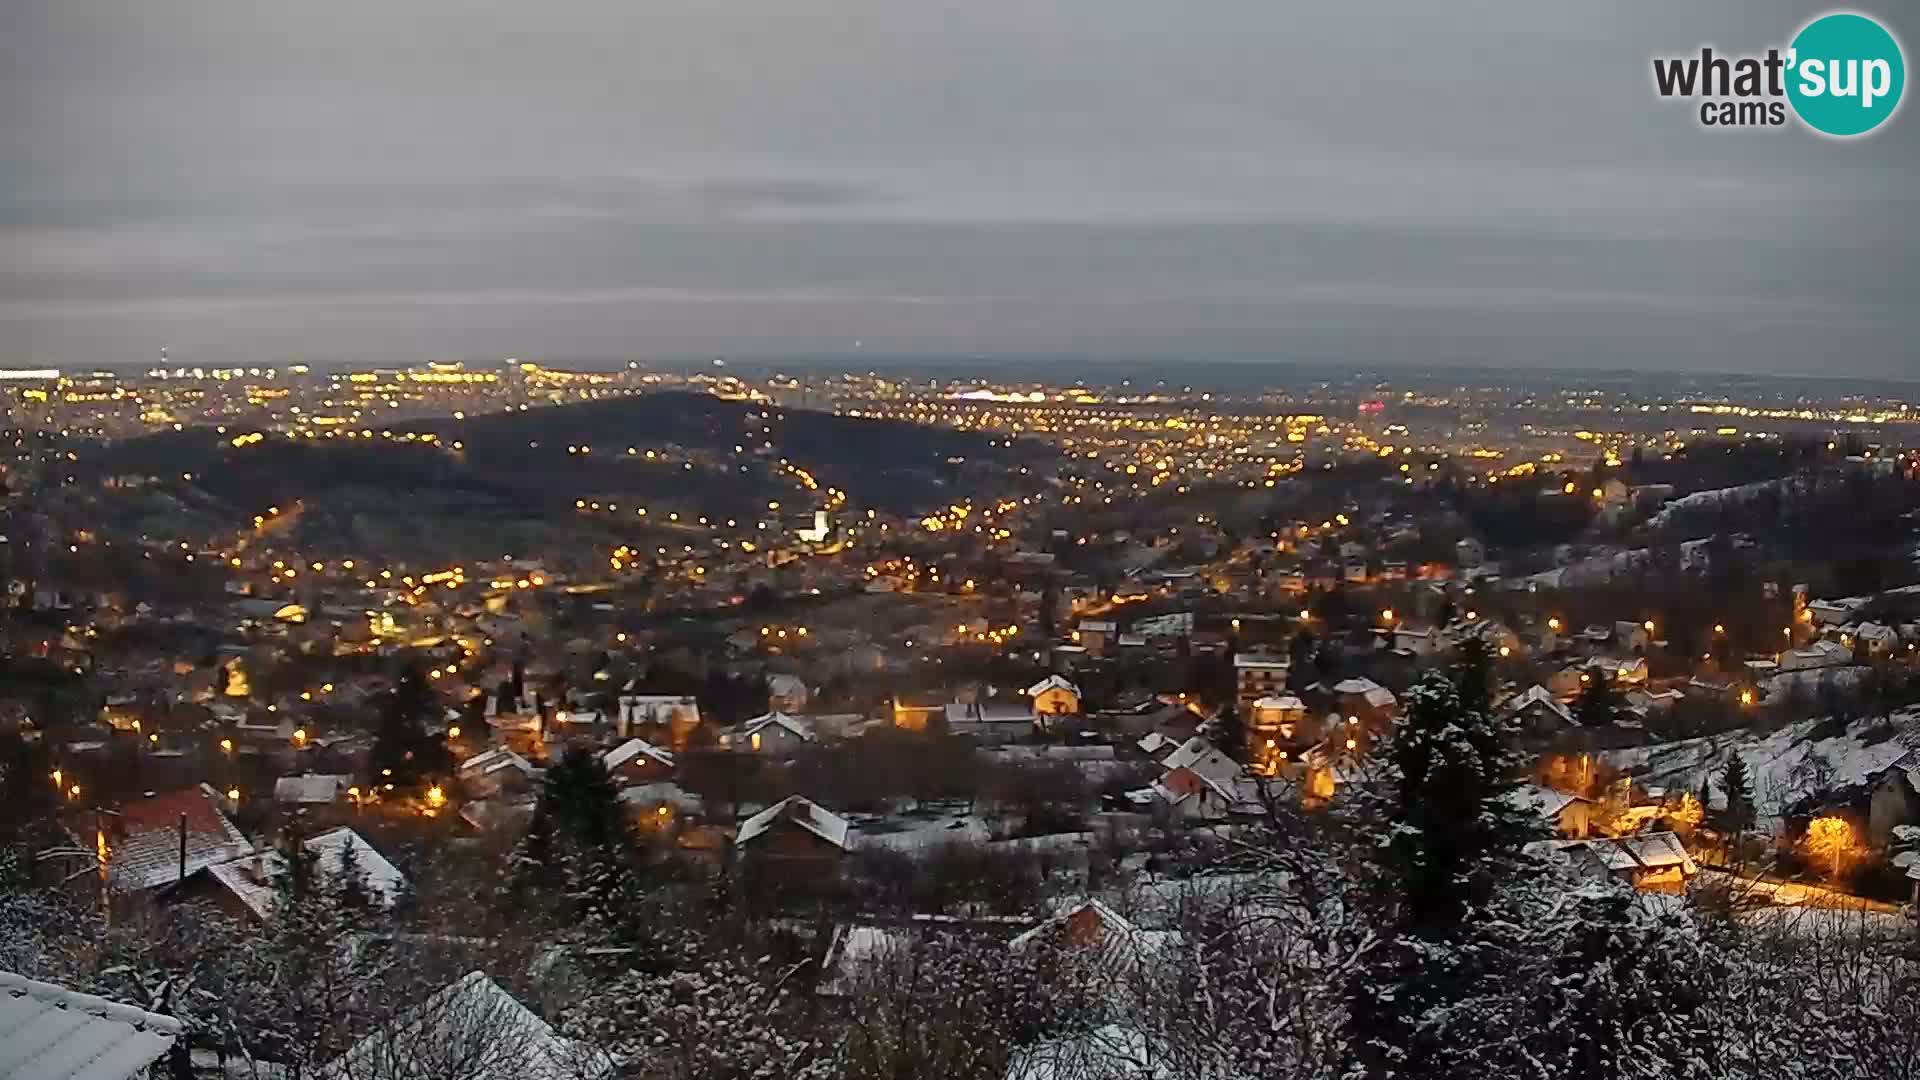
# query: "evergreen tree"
404,753
1599,703
1473,676
349,885
1229,733
1738,815
578,855
1450,838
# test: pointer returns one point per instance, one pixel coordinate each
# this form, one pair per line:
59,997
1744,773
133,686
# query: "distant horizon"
1243,367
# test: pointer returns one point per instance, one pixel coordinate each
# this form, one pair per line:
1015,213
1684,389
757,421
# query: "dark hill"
530,459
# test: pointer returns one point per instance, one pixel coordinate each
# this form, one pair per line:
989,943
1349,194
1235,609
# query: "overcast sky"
1369,183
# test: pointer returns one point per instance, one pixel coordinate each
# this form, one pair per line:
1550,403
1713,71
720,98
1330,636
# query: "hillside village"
812,771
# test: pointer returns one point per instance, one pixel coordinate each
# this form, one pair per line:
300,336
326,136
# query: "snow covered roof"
1537,696
251,878
51,1033
1190,751
1647,851
1052,682
324,788
475,1030
1108,917
960,715
491,761
1544,802
803,812
1262,661
1153,742
664,792
799,728
1375,695
144,842
1285,703
633,748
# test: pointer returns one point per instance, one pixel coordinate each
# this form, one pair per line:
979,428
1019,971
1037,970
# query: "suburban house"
1895,800
638,761
163,838
494,772
1089,926
1053,696
1656,862
1282,717
1571,816
1537,711
249,886
1372,703
775,734
668,717
309,791
1095,635
1200,783
989,724
786,694
794,833
1819,654
1258,675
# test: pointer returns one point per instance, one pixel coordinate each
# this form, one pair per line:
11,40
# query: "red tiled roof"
143,842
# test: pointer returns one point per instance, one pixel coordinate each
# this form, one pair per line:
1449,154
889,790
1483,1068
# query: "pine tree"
1738,815
404,753
1599,703
578,852
349,885
1474,675
1450,838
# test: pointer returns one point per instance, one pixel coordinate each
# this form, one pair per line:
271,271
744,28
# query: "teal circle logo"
1847,73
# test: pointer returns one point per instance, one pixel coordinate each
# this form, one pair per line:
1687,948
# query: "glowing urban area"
523,719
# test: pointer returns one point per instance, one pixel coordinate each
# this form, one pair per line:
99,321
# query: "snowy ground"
1783,766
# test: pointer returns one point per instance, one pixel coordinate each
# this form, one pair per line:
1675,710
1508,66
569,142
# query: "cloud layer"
1382,183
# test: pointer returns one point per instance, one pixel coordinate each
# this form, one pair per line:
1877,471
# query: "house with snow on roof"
795,836
1536,711
637,761
1200,783
160,839
1089,930
496,772
1654,862
474,1030
1571,816
1895,798
774,734
1374,704
786,693
310,791
1053,697
249,886
989,723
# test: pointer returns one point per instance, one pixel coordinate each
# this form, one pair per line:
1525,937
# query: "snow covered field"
1784,765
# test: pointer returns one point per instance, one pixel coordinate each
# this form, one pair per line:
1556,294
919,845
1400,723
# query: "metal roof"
49,1033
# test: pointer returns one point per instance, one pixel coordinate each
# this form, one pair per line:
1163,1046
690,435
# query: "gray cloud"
1394,182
